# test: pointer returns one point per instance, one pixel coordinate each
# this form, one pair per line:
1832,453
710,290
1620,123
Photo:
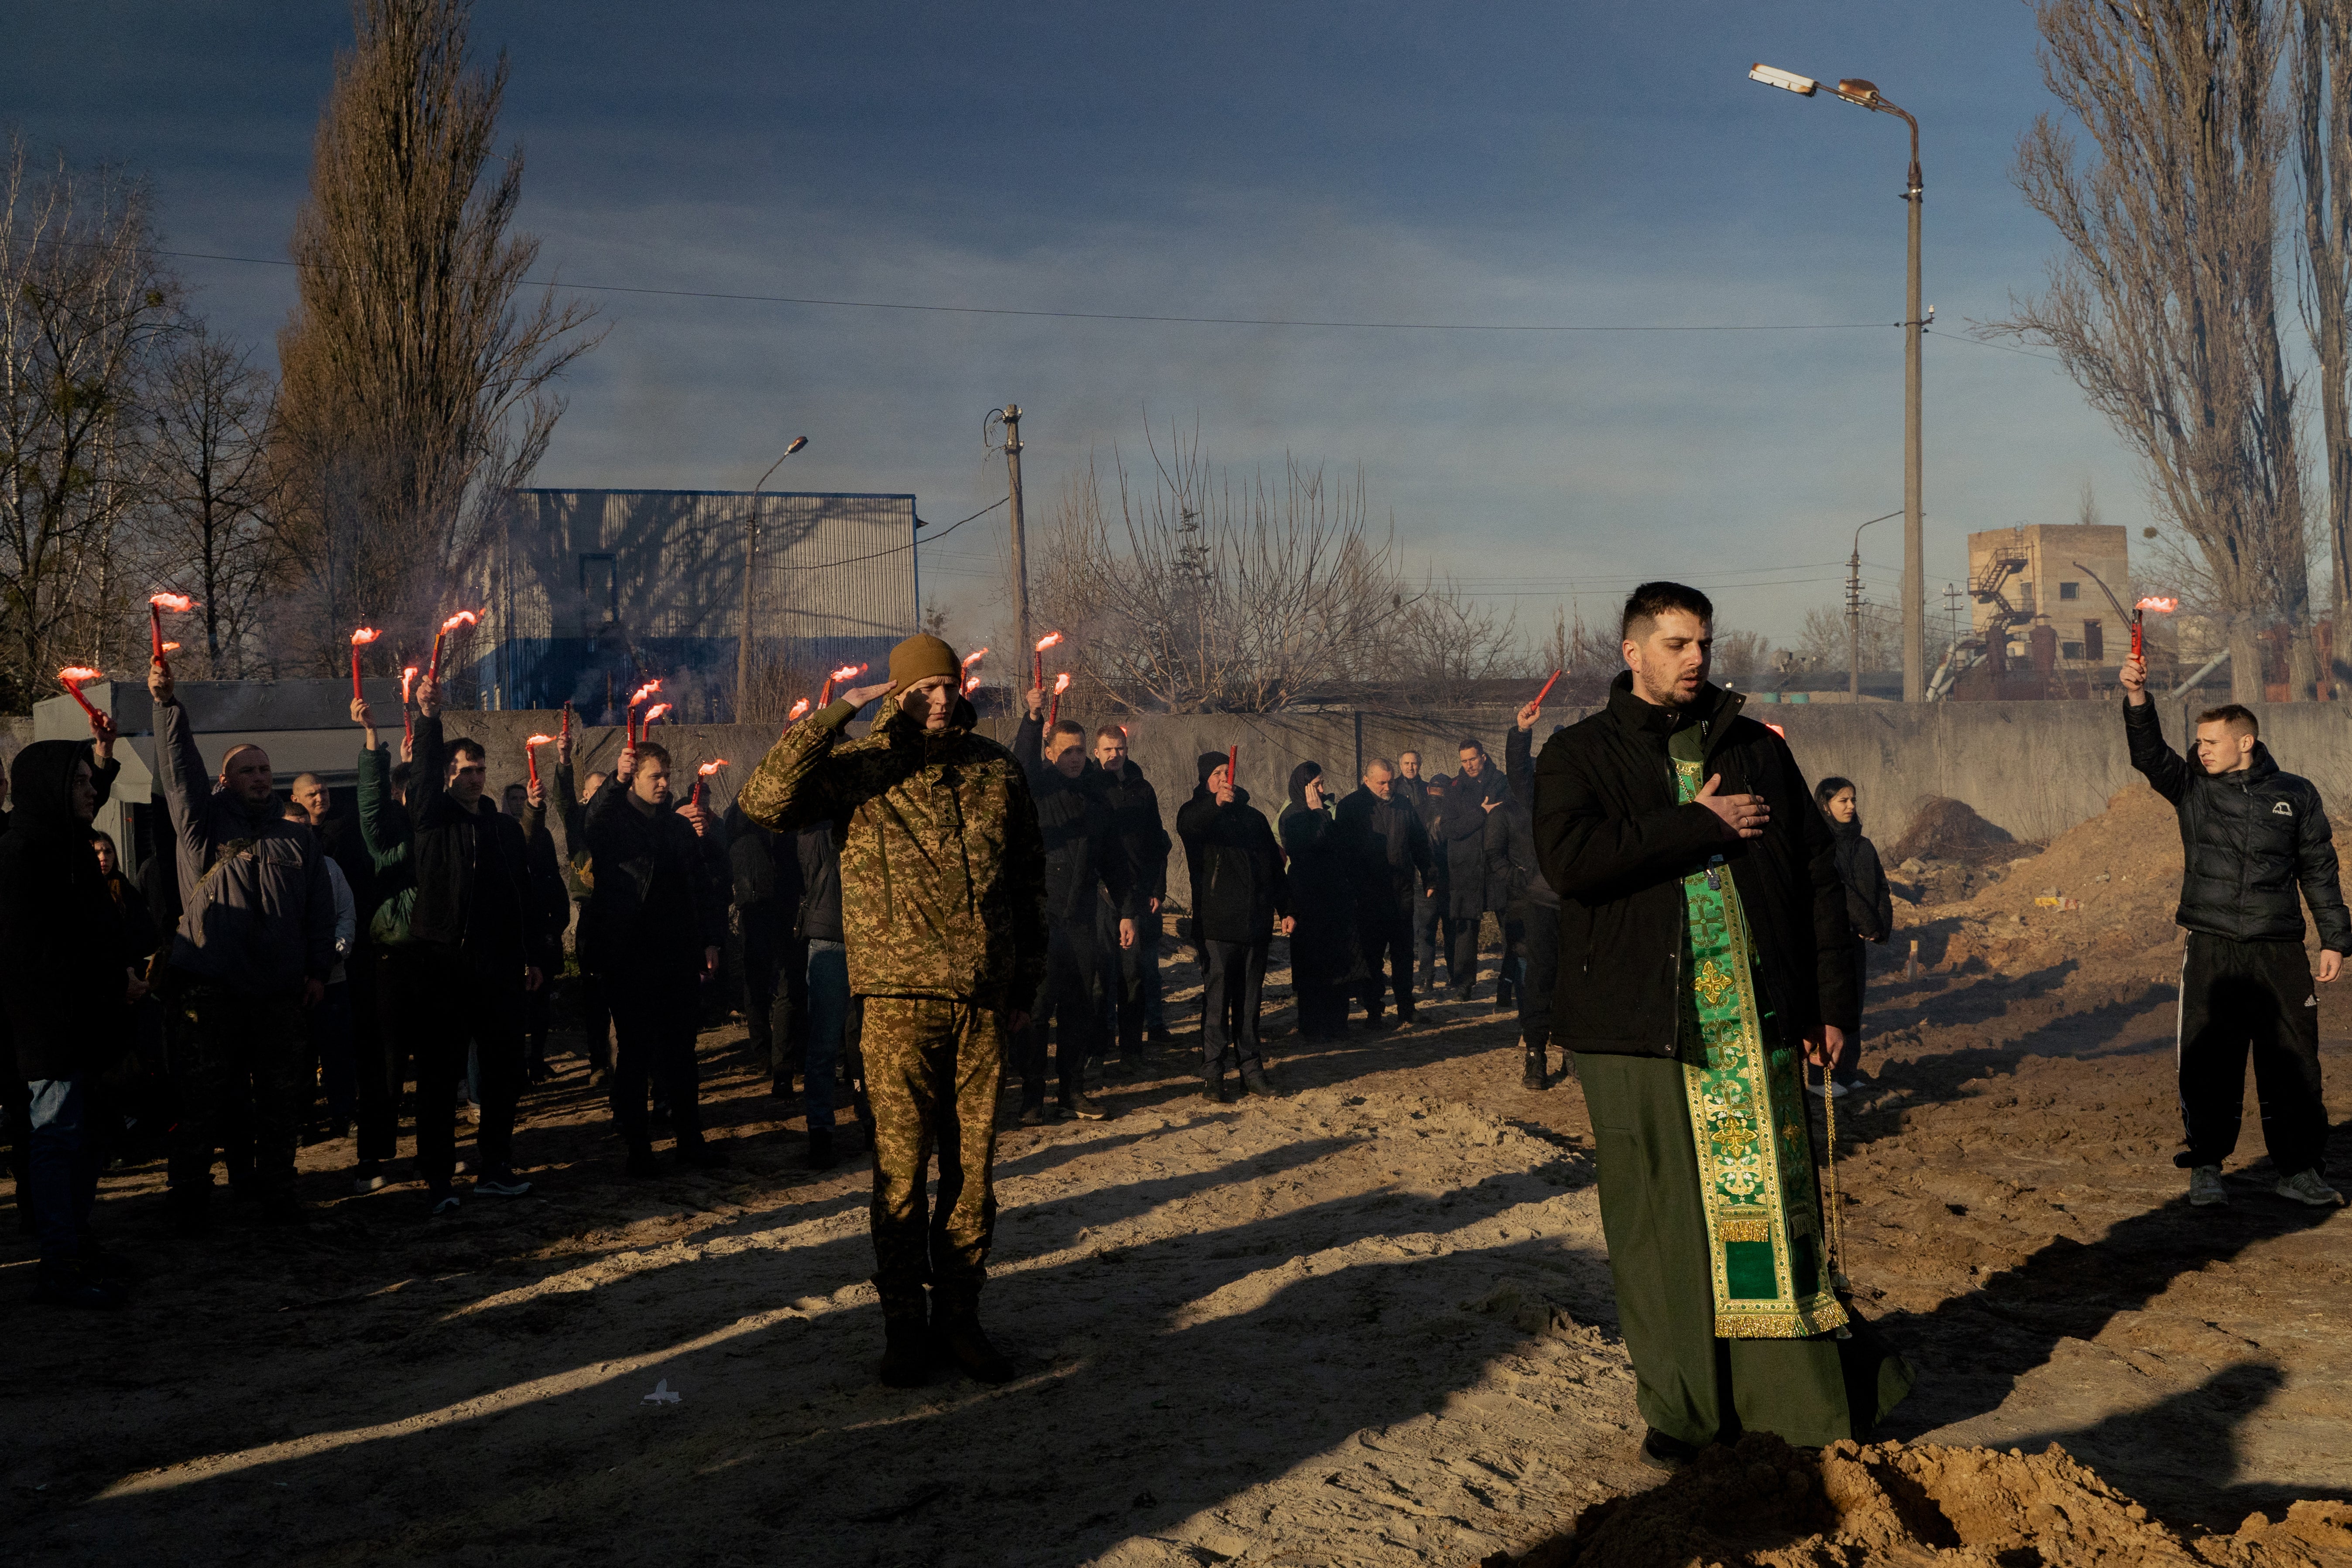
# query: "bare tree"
81,303
414,390
2320,68
1209,591
1442,644
2163,305
208,418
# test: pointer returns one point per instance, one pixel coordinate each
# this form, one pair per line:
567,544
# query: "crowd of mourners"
290,973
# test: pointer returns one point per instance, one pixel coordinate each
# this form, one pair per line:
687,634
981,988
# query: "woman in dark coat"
1324,961
1870,911
65,979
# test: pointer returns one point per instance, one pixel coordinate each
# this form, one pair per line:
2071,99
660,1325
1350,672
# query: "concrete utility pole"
1012,417
1865,94
751,560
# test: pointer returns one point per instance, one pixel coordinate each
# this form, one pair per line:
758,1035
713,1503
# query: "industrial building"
591,592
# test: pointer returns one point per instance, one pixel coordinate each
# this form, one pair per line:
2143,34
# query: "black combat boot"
957,1337
1254,1079
905,1352
821,1157
1534,1076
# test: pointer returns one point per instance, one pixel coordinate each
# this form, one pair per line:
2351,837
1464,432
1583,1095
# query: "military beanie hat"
919,658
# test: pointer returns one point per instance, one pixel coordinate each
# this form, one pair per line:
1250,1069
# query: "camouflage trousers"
931,1069
241,1067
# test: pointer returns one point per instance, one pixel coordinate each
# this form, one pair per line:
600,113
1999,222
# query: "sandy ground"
1366,1322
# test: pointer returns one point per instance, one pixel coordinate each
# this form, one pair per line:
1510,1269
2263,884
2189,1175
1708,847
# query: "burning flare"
1054,711
629,718
171,647
531,754
2152,603
705,771
652,714
72,676
800,708
360,639
846,672
177,603
970,685
1047,641
462,618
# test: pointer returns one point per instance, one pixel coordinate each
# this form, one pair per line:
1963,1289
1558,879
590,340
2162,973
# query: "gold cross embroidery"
1714,983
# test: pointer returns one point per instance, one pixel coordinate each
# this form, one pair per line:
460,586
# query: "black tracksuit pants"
654,1016
1232,989
2237,997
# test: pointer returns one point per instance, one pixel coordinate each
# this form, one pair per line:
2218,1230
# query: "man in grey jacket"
255,944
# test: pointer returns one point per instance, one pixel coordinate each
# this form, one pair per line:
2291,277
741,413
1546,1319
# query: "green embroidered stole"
1747,1117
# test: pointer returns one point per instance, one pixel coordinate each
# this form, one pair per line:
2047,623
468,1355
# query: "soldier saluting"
942,901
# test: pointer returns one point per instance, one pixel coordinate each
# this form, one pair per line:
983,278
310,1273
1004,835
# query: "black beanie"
1209,762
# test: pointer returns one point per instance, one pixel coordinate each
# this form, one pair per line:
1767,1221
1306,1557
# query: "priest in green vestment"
1703,947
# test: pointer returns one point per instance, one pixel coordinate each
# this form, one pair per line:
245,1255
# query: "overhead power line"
1125,316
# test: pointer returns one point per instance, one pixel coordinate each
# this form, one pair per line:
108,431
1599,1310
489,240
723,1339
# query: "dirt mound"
2106,885
1943,829
1767,1504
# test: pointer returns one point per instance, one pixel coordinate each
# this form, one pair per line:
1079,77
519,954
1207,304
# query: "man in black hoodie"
2252,839
1085,863
1240,893
653,930
1131,978
1391,849
65,983
1702,949
479,946
254,948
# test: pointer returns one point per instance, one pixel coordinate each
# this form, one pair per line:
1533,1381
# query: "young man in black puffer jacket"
2251,838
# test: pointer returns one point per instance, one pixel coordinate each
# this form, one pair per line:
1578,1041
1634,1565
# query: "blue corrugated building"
591,592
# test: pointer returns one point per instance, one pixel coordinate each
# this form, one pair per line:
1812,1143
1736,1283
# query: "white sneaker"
2305,1186
2205,1188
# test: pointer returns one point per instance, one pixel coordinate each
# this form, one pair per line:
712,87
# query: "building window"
2072,650
2069,591
600,589
2094,643
2024,595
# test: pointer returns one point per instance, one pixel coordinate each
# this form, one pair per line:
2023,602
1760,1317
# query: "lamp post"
1853,610
751,559
1865,94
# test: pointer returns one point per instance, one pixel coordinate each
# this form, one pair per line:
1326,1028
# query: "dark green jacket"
383,830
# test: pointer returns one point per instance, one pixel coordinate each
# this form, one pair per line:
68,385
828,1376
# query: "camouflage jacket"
942,869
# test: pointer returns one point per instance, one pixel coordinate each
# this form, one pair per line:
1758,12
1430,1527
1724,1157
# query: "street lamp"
1865,94
1853,610
751,559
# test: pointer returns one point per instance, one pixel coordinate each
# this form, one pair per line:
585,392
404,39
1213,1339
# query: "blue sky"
1589,164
